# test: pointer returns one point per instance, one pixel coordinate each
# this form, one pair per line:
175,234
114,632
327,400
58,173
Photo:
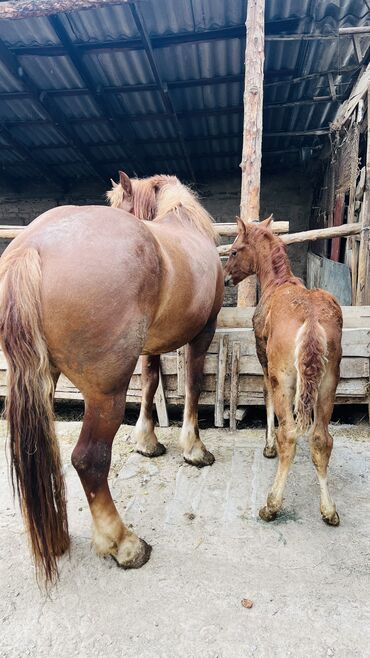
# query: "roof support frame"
116,124
163,88
52,113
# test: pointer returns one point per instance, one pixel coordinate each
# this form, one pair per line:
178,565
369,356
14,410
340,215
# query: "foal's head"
242,261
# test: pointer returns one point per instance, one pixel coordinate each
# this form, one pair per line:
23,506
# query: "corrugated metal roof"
210,115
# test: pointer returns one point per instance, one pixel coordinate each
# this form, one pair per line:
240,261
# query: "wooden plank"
363,281
354,367
230,229
160,401
355,387
234,384
358,92
231,318
331,276
252,130
220,384
356,342
337,221
181,371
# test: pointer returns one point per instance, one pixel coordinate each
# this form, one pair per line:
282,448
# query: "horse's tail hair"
36,469
310,362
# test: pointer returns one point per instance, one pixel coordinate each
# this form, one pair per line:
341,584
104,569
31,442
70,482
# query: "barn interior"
125,86
91,87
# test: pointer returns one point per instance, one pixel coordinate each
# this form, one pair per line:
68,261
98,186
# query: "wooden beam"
18,9
252,130
310,76
363,280
358,93
231,229
362,29
226,229
303,236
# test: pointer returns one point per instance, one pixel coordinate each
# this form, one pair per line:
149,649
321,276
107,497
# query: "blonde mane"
158,196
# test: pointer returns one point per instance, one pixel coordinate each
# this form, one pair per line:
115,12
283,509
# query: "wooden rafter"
120,129
162,87
53,115
28,156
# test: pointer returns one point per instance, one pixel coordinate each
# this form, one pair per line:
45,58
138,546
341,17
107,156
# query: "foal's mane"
279,261
158,196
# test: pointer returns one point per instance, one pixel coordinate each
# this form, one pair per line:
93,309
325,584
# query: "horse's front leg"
194,450
147,443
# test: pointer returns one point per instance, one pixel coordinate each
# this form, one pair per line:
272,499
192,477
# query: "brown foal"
298,338
84,291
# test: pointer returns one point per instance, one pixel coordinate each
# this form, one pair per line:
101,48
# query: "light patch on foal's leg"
270,449
327,507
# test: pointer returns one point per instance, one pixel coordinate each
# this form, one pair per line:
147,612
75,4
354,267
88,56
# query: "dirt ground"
309,583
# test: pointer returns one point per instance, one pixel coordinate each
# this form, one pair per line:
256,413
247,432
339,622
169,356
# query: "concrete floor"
309,583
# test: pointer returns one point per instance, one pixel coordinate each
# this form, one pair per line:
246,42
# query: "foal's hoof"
140,557
266,514
269,452
158,451
207,459
331,520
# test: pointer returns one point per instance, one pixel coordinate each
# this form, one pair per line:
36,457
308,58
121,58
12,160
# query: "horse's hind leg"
194,450
270,448
321,444
91,458
286,446
147,443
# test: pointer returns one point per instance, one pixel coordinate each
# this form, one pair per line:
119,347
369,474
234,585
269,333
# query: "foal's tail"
35,458
310,361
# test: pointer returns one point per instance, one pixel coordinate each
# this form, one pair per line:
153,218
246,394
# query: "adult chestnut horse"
84,292
298,339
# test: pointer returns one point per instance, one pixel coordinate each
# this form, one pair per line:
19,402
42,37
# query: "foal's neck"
272,263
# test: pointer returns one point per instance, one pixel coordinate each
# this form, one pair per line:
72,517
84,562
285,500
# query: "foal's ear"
266,222
125,183
114,184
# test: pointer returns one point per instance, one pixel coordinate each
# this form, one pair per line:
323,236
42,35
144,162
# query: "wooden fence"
233,376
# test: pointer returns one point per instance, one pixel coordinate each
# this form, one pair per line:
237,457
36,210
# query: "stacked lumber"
232,374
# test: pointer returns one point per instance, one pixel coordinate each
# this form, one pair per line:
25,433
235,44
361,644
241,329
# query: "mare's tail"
35,458
310,361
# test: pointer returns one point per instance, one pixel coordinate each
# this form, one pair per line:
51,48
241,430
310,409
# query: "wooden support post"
234,384
220,381
363,280
252,129
160,402
181,365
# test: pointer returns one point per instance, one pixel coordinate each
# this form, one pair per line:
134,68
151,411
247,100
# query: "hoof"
266,514
159,450
333,520
269,452
138,560
207,459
